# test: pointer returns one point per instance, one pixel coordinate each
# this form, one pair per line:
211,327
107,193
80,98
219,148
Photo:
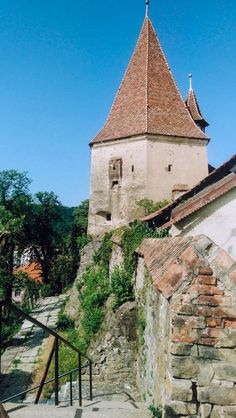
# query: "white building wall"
217,220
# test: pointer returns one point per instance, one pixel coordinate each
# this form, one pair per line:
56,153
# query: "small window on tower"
114,184
132,168
115,173
170,167
108,217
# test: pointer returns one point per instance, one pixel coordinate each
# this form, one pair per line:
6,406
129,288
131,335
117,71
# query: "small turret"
194,109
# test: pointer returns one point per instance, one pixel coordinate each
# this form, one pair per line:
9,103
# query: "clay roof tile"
194,109
148,100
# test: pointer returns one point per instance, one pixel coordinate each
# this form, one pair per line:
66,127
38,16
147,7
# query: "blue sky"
61,62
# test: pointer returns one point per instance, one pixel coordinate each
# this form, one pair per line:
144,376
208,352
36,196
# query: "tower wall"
124,171
113,193
173,161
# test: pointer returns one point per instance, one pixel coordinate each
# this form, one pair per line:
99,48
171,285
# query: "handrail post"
45,375
56,372
80,379
90,380
71,391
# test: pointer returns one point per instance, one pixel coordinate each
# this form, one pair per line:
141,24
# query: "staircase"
68,402
84,365
94,409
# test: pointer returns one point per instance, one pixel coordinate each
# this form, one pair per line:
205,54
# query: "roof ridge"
147,64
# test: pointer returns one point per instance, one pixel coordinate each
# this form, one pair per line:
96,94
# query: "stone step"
94,409
20,410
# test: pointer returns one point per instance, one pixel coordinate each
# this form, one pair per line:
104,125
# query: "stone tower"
150,143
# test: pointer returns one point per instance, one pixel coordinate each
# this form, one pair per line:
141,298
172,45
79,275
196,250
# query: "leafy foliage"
121,287
156,411
64,322
150,206
78,236
132,238
93,299
103,254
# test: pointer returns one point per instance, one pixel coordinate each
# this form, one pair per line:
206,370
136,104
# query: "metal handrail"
19,312
55,352
45,383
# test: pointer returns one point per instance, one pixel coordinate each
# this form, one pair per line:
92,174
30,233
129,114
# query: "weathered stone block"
214,333
205,271
218,395
205,410
176,408
208,341
181,349
212,300
205,289
213,322
206,280
202,311
224,313
230,323
223,411
229,341
186,310
223,261
225,371
181,390
232,277
206,372
203,245
218,353
184,367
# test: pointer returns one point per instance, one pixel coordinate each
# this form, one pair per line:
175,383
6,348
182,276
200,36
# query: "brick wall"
198,282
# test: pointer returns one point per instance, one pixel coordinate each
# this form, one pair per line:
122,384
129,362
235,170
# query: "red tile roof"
148,100
202,199
33,270
194,109
161,257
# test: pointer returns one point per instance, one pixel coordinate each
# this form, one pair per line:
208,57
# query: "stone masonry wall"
197,279
72,308
153,333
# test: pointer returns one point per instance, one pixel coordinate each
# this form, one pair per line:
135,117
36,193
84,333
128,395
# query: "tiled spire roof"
194,110
148,100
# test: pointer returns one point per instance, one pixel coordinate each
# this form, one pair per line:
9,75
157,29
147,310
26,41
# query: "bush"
132,238
121,286
93,298
103,254
156,411
150,206
46,291
64,322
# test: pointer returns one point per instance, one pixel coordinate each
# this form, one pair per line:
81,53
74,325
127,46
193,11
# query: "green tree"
150,206
79,237
45,230
15,201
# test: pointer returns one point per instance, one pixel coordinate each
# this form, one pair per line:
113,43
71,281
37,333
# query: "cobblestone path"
19,360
